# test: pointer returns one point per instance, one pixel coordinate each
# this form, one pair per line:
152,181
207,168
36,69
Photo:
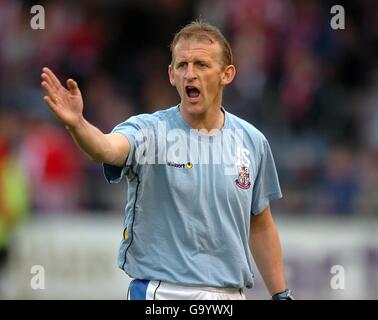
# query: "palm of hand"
67,105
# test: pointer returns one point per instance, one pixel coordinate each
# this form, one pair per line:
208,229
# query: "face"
199,75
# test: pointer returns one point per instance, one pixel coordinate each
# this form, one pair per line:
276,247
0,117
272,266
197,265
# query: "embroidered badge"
243,181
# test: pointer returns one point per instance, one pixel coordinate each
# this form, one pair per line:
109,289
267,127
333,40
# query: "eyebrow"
200,60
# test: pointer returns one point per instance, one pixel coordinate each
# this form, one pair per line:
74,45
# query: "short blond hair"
200,30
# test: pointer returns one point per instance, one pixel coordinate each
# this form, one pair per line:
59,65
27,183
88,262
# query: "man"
188,222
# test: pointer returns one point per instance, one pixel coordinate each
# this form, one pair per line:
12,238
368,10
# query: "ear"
228,75
171,76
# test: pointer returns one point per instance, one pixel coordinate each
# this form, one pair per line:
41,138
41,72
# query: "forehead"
189,49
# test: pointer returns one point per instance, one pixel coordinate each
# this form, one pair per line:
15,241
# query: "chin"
194,108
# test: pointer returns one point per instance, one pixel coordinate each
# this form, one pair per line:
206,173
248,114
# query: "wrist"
76,126
284,295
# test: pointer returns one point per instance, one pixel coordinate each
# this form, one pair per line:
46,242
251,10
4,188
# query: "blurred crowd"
311,90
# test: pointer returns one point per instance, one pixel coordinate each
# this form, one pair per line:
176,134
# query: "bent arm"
266,250
67,106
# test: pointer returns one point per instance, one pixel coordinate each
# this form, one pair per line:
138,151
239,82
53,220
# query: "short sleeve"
130,128
266,186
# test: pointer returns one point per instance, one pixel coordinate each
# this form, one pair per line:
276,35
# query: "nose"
190,73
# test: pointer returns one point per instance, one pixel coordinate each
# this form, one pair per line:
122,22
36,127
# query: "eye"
202,65
180,65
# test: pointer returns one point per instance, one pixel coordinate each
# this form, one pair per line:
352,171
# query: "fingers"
50,103
73,87
52,94
49,76
47,79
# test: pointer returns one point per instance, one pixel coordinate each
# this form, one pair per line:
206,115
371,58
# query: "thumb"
73,87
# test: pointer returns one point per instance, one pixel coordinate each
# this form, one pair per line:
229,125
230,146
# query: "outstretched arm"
67,106
266,250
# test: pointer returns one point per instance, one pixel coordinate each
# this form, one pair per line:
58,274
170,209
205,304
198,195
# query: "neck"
212,119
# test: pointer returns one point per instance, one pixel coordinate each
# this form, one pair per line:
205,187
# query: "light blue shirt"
188,214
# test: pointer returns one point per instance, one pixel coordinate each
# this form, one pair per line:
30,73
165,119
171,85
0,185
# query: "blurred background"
312,90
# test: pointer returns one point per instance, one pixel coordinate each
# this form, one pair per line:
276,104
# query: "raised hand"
67,105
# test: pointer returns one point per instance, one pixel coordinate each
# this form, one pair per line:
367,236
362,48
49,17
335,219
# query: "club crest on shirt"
243,181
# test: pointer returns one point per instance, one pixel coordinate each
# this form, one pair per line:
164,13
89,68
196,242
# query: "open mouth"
192,92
